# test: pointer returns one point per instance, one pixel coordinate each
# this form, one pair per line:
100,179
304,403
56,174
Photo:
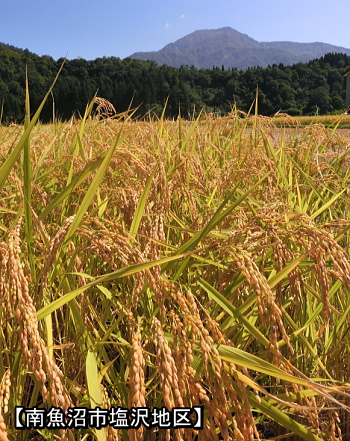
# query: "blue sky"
92,29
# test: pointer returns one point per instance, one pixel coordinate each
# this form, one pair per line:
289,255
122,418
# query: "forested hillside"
303,88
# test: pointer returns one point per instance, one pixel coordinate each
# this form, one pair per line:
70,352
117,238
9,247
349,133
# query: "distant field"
177,264
329,120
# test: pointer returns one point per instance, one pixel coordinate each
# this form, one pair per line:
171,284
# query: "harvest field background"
176,263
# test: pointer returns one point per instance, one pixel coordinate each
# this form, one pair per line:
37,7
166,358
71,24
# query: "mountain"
228,47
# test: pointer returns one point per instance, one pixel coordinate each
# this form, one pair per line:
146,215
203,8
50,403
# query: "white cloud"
168,25
183,16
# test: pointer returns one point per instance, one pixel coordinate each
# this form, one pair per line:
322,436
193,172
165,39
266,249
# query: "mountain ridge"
232,49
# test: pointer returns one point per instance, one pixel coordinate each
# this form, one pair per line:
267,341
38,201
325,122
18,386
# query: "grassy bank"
176,264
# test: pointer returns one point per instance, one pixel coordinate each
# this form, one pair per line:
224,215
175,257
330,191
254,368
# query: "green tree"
319,100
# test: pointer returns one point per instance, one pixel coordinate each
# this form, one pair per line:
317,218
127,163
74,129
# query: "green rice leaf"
234,312
94,389
327,204
123,272
12,158
92,189
250,361
27,188
282,418
141,206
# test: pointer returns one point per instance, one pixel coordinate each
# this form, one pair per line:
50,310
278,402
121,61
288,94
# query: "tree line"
301,89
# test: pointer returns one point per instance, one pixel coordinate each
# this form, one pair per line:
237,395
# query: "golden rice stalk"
34,350
3,434
137,390
5,391
55,243
167,368
104,107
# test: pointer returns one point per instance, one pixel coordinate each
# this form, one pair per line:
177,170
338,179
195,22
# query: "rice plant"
177,264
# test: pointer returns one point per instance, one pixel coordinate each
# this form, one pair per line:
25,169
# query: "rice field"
176,264
341,121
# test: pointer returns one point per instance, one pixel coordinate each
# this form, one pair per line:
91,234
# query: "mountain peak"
226,46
